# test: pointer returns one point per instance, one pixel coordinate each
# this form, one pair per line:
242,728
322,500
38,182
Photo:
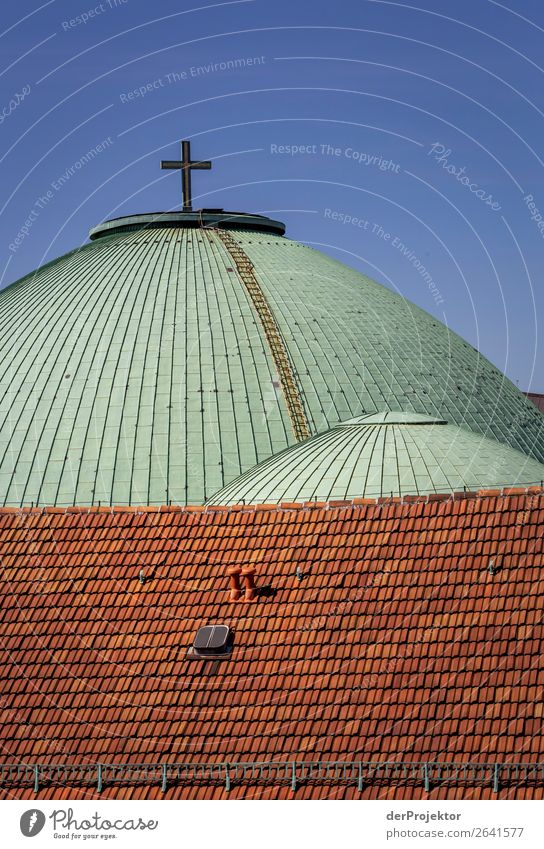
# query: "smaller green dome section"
380,455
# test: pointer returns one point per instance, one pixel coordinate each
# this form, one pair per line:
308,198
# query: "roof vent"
212,642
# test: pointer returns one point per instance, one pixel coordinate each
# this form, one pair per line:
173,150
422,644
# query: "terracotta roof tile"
396,644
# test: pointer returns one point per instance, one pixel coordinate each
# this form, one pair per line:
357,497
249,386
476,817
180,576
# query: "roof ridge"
282,507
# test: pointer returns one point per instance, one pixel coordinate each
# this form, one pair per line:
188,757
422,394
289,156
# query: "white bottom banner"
246,825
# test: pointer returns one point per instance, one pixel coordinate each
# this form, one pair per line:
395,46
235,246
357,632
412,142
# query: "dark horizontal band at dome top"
197,218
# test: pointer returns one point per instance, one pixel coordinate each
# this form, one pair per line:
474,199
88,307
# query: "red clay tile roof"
397,644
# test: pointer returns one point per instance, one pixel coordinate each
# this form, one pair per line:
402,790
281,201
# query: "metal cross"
186,165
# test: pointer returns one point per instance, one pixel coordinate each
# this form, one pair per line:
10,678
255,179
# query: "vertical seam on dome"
397,469
363,439
272,332
407,435
369,469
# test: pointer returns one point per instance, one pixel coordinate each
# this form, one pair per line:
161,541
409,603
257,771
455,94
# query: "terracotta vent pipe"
235,589
248,574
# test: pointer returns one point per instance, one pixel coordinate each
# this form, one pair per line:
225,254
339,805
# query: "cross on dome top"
186,165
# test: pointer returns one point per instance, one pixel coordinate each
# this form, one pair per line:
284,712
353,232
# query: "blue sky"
404,140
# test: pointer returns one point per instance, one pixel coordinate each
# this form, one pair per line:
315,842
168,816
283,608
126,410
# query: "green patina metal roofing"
196,218
382,455
391,417
136,369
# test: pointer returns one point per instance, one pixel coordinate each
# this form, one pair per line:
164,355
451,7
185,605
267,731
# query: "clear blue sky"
423,124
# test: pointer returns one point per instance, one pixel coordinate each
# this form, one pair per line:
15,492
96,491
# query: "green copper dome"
175,352
380,455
